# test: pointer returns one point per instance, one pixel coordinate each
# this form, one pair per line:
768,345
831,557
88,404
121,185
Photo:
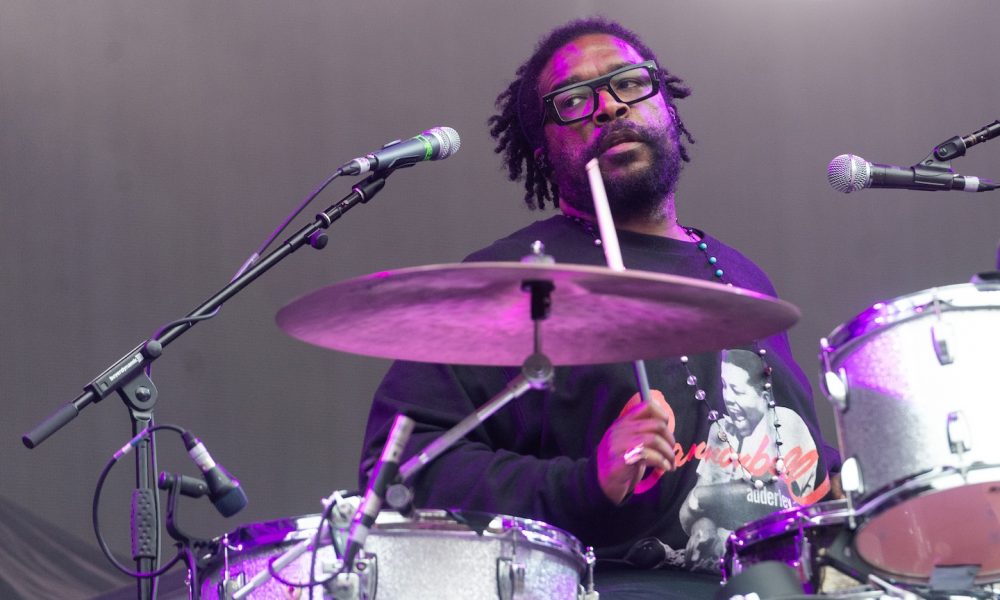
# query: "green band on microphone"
428,149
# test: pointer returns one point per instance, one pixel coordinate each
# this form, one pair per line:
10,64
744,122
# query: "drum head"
795,537
947,524
427,555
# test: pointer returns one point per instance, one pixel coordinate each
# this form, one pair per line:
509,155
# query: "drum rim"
929,481
787,520
294,529
900,309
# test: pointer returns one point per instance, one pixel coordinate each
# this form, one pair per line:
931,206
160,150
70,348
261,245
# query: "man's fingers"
651,452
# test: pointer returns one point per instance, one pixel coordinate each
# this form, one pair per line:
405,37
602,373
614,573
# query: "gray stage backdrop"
146,148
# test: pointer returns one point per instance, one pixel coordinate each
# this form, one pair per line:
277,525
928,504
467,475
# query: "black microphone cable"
95,516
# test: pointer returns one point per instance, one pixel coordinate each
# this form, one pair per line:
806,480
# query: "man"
569,456
754,439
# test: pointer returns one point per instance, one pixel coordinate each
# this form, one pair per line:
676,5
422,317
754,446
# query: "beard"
631,196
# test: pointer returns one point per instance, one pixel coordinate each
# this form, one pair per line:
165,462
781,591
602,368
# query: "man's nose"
608,107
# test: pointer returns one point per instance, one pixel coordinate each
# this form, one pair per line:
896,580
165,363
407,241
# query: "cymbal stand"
536,373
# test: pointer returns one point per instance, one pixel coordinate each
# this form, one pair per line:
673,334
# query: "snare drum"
798,537
914,382
429,555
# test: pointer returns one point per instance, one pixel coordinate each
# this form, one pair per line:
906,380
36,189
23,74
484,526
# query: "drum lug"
959,438
941,334
588,593
359,584
510,578
231,585
805,557
834,383
852,484
850,476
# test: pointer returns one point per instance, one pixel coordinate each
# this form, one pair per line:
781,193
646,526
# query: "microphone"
383,475
849,173
434,144
224,491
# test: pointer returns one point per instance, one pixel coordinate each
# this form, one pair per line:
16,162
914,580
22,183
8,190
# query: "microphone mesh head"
448,139
849,173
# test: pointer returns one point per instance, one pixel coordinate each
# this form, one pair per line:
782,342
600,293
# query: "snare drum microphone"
384,474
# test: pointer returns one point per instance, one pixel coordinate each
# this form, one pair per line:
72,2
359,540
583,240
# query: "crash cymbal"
477,313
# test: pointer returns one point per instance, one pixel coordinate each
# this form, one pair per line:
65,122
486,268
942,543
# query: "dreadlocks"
517,129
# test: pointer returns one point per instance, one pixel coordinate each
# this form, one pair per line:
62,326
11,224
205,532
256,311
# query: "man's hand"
707,541
641,437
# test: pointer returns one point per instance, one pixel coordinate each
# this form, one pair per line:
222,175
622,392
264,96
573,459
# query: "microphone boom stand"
129,377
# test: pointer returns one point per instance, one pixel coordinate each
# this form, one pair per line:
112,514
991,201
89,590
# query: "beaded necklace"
692,380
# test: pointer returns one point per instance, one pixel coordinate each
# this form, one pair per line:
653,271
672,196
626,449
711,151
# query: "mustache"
621,131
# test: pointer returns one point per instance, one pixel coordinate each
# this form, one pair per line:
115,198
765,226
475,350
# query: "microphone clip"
955,147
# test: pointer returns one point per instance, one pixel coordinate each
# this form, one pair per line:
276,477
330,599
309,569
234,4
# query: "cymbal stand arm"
518,386
536,373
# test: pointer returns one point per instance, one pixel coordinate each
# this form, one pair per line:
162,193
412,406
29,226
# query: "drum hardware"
988,276
891,590
588,592
348,584
834,383
852,484
400,497
510,577
953,578
229,584
840,555
958,435
536,370
941,333
342,511
334,504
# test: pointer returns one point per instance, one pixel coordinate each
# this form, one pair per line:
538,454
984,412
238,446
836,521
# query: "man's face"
636,146
745,405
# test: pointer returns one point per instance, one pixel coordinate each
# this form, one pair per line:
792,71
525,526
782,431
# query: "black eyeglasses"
629,84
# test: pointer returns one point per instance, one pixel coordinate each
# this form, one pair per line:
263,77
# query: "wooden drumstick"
612,252
613,256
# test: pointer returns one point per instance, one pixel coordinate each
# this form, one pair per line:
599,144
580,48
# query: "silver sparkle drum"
913,381
800,537
429,555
